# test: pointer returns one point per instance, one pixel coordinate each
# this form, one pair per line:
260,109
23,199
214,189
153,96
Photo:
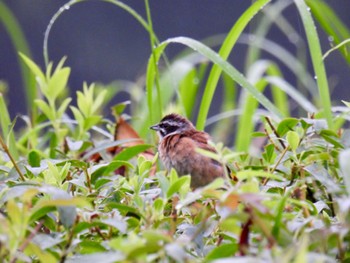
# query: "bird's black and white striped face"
172,124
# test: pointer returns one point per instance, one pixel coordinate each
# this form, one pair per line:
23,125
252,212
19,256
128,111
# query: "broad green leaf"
42,255
108,169
91,121
57,83
130,152
177,185
222,251
293,140
90,247
119,108
34,158
41,212
332,137
269,154
286,125
14,212
46,109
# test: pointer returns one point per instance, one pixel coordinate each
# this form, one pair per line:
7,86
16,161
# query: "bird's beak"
155,127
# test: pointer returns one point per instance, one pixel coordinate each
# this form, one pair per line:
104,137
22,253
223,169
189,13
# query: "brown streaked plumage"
178,140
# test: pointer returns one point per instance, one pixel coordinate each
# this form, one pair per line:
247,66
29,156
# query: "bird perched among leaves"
178,140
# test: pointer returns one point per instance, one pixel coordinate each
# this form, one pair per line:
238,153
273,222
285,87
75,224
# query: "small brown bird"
178,140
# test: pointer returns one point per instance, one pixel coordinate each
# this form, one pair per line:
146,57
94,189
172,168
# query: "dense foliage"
76,186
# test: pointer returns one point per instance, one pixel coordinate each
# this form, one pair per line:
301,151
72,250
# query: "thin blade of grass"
316,57
20,44
5,123
245,124
225,50
224,65
331,24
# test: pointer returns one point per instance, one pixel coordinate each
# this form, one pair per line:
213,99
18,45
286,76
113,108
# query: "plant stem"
6,149
153,44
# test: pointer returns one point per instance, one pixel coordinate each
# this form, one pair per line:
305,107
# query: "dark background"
104,43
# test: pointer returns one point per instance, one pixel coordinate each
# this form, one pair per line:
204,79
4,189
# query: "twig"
7,151
275,132
87,179
69,242
28,240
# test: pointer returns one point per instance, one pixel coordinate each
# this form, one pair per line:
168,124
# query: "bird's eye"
165,125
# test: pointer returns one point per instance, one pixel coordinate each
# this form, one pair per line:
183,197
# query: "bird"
178,141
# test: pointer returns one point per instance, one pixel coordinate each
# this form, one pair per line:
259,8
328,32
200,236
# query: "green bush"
88,189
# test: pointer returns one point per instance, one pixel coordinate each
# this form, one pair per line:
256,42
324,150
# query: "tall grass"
82,188
20,44
184,73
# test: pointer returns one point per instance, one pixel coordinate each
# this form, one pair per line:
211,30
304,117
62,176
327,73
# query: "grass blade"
20,44
5,124
224,52
224,65
331,24
317,61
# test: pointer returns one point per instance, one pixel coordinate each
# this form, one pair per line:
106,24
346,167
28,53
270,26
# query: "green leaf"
14,212
125,210
41,212
347,104
286,125
130,152
84,104
178,184
269,154
279,217
42,255
91,121
293,140
89,247
34,68
107,169
7,127
57,83
119,108
222,251
34,158
245,174
331,137
78,116
46,109
98,101
63,107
